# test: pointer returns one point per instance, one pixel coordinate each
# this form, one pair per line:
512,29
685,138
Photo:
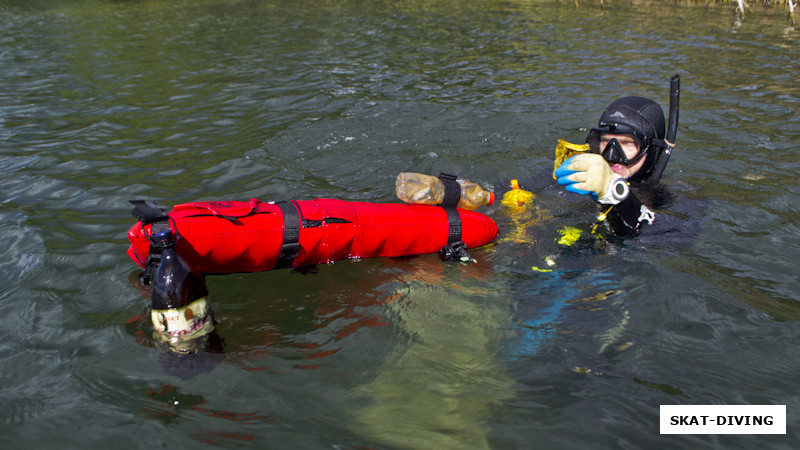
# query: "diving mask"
613,150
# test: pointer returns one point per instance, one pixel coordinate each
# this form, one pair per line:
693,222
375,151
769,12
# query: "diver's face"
630,146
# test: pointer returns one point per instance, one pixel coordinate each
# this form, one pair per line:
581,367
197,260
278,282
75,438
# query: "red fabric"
230,236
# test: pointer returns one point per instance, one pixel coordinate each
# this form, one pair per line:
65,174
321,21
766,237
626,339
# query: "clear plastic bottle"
429,190
517,198
180,310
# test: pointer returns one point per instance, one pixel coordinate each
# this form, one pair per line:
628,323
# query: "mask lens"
613,150
593,139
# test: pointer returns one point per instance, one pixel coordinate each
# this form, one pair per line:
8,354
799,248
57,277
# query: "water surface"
177,101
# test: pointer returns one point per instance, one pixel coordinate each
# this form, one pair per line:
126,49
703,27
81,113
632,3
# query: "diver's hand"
589,174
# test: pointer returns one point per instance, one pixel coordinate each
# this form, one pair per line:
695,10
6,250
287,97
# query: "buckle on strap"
456,249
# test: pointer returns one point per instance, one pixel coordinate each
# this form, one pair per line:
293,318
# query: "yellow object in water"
568,235
564,150
550,260
517,197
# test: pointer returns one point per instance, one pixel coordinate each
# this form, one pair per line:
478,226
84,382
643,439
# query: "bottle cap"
164,239
514,184
491,198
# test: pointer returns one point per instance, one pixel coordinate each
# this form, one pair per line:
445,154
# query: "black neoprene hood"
634,114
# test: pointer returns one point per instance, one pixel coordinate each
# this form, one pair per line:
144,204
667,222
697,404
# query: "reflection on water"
443,380
106,101
169,403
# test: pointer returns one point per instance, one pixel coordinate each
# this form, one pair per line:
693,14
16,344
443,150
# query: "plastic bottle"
180,310
429,190
517,197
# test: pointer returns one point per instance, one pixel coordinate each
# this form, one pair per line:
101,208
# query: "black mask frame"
613,152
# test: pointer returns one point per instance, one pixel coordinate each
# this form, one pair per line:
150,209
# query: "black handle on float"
672,130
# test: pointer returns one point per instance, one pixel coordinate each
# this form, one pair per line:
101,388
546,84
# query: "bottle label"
191,320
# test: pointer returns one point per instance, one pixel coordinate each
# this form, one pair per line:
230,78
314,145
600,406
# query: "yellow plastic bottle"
517,198
429,190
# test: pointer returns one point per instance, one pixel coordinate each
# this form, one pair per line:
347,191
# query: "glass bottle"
180,311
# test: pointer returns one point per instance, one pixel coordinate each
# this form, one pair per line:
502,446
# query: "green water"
178,101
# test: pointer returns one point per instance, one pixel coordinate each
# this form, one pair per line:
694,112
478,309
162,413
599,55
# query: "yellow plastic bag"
569,235
564,150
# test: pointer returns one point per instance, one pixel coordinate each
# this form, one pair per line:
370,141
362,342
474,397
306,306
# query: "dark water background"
106,101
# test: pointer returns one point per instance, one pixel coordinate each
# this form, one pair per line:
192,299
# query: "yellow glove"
589,174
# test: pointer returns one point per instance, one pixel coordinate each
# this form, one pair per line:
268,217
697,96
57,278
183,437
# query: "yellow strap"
601,218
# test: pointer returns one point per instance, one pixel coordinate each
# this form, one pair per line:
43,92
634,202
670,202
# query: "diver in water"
628,148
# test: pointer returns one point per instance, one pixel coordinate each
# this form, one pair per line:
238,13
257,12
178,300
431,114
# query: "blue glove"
589,174
562,177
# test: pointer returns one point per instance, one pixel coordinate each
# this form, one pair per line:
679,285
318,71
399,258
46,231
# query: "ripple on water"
22,252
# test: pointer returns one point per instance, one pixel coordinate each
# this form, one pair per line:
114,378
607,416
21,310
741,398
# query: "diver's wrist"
618,190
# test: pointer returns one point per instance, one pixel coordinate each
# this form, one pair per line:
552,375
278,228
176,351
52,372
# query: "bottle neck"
176,284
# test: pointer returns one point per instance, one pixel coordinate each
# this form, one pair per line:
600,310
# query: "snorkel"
672,129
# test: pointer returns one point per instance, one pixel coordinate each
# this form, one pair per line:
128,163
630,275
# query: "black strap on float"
149,213
452,190
456,249
290,247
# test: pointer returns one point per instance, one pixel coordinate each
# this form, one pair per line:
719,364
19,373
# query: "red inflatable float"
232,236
